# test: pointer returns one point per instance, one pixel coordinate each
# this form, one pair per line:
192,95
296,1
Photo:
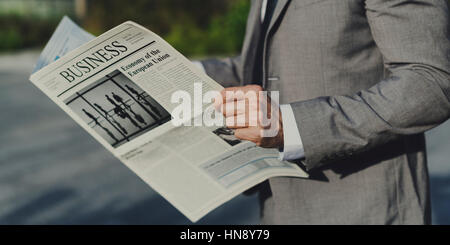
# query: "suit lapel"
252,35
251,40
277,14
281,4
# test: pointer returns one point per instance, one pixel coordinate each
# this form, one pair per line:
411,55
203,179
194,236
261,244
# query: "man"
359,83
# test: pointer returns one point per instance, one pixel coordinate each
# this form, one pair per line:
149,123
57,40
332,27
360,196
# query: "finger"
232,94
239,93
234,108
235,122
228,95
218,102
250,134
247,119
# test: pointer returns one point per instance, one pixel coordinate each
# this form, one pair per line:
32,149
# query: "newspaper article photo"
117,109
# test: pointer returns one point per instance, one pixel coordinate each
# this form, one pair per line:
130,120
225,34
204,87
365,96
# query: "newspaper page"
118,87
67,37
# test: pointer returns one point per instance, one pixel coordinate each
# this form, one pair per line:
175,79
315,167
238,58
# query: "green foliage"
223,35
194,27
19,32
228,31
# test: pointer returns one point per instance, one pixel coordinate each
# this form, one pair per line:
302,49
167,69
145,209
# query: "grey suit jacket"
365,79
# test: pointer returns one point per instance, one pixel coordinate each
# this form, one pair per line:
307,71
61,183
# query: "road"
52,172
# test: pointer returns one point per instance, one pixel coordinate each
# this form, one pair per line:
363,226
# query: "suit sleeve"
413,37
226,71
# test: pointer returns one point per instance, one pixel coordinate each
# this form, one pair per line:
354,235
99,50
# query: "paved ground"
52,172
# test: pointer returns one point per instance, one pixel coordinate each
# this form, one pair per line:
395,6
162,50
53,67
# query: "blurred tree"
194,27
18,32
159,15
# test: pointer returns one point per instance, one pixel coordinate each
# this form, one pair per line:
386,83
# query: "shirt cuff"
293,146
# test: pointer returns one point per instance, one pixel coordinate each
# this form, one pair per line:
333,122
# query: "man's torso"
325,47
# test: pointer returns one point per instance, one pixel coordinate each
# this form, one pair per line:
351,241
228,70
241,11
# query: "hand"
253,114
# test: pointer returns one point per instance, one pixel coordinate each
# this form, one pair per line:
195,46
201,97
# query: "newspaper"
118,87
67,37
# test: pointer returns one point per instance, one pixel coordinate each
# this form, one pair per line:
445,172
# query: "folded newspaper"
118,87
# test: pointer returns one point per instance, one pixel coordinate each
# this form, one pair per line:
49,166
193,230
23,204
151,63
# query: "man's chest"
321,47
